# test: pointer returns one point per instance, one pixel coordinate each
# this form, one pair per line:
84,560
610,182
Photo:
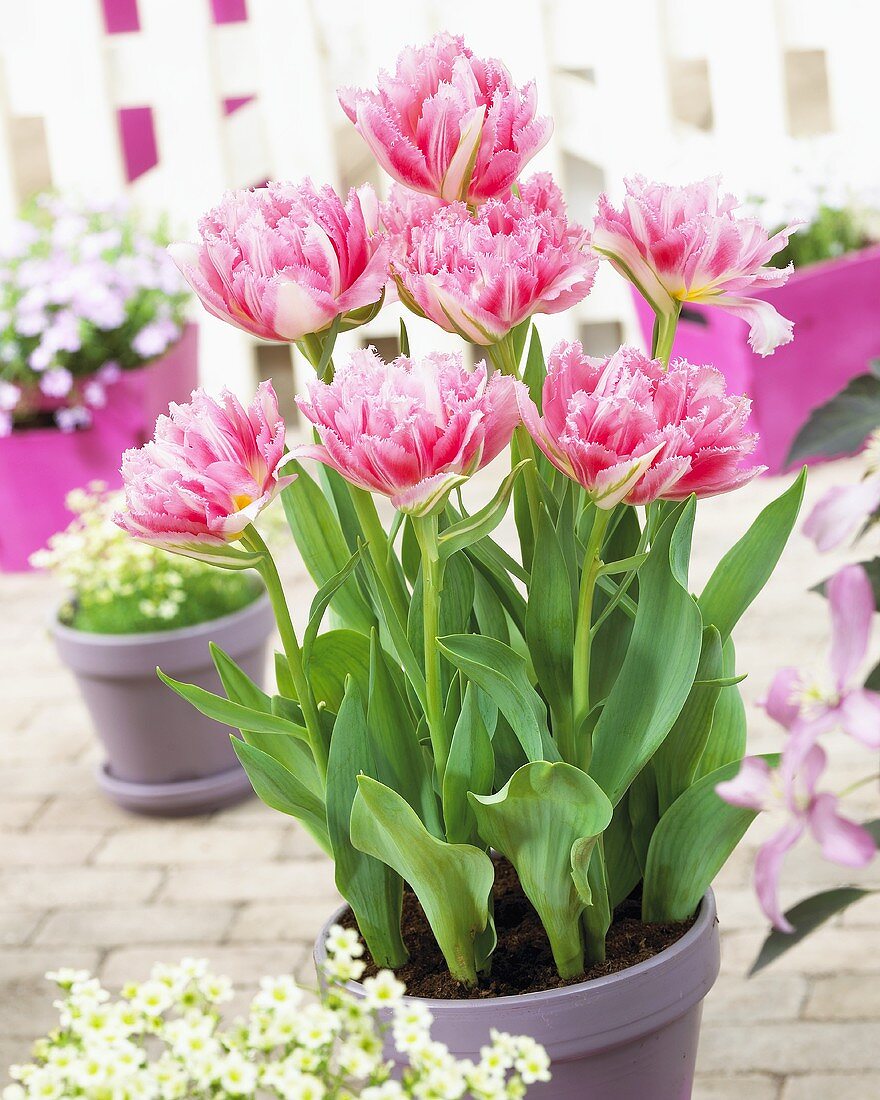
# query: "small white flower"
237,1076
384,990
343,941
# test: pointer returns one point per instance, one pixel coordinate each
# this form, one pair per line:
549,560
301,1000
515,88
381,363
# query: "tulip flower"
404,211
626,430
812,709
792,789
686,244
411,429
209,471
481,274
449,124
284,261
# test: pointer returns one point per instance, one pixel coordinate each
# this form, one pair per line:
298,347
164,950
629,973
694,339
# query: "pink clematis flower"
843,509
811,709
792,788
209,471
411,429
448,123
686,244
626,429
481,274
284,261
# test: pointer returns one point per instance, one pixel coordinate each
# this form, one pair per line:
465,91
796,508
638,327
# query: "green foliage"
546,820
833,232
841,425
452,881
806,917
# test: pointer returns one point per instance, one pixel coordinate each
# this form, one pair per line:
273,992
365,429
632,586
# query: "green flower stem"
665,325
426,529
503,357
379,548
582,640
268,571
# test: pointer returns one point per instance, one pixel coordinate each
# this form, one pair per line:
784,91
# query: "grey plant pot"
630,1036
163,757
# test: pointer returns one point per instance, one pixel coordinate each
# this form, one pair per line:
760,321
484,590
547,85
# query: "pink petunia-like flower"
686,244
812,709
284,261
209,471
792,789
480,275
628,430
449,124
411,429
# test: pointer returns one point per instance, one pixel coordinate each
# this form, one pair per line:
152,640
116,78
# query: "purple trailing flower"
80,284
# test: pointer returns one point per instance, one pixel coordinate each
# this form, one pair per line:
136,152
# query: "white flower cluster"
163,1039
141,587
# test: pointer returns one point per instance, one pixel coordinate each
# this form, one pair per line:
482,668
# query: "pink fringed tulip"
283,261
209,471
411,429
792,788
627,430
449,124
481,274
685,244
811,710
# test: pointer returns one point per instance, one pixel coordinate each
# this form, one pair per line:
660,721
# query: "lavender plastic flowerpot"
629,1036
162,756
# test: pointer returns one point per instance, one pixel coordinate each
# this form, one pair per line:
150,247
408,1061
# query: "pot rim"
707,918
194,630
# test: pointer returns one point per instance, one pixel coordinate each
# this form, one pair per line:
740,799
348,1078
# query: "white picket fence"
673,88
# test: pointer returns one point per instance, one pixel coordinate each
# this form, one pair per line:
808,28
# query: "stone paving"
84,884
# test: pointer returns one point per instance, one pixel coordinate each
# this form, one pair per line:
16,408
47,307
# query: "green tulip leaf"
546,821
470,768
747,566
321,543
453,882
370,886
501,673
281,790
727,737
472,528
229,712
676,762
550,622
691,844
660,663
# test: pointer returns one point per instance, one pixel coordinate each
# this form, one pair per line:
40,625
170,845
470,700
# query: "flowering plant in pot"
512,757
88,297
165,1037
127,603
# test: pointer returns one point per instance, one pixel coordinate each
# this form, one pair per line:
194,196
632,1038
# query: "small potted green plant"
129,605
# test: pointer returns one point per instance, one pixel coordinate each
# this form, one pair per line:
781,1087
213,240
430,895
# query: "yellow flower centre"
241,501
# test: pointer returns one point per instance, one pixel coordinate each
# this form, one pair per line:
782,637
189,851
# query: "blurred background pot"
40,466
632,1035
163,757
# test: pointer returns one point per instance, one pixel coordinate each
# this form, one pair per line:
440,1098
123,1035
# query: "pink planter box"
39,467
835,307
